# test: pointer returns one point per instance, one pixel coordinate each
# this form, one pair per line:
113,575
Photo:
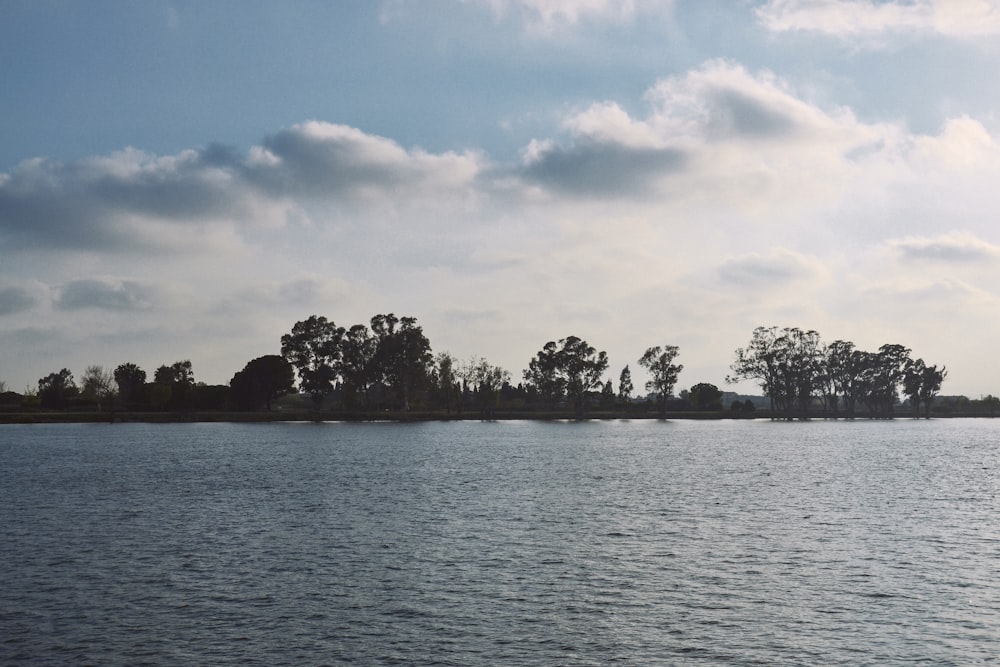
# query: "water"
515,543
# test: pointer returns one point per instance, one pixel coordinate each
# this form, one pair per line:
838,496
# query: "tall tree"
544,376
572,366
446,381
314,348
357,365
179,378
261,381
659,361
402,356
131,382
486,380
97,385
625,387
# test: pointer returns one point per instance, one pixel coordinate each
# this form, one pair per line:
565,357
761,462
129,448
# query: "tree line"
388,364
796,370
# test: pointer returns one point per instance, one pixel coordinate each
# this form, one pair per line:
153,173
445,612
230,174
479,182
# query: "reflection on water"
500,543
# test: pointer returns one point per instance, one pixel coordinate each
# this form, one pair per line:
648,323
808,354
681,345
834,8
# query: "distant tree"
446,381
314,348
261,381
544,376
357,365
179,377
403,356
98,385
931,379
55,389
659,361
608,394
486,381
131,381
788,363
705,396
625,387
884,372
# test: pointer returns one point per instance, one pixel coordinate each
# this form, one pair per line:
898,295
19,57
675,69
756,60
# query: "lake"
508,543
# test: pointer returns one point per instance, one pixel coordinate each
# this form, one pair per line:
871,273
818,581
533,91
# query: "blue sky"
185,180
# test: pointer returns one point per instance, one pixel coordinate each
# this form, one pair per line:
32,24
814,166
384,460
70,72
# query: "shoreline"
118,417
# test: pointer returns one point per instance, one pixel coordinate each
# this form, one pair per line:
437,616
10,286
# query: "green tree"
445,381
659,361
131,381
261,381
313,348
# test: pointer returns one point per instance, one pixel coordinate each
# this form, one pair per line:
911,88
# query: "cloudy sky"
185,180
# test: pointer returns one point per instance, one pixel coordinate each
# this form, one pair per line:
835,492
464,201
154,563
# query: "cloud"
14,299
107,294
546,15
329,161
132,200
867,18
778,267
715,127
957,247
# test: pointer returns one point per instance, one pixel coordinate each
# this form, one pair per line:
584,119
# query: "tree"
705,396
486,380
625,387
572,366
357,364
788,364
314,348
883,373
402,356
659,361
543,374
921,383
131,381
445,381
55,389
98,385
179,377
261,381
582,367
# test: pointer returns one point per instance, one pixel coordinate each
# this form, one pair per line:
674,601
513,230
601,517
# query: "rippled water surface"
514,543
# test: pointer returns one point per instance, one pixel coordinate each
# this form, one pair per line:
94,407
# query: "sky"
186,180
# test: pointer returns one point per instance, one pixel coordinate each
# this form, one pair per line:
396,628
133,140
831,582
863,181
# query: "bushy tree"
131,381
313,348
402,356
572,366
705,396
261,381
98,385
659,361
56,389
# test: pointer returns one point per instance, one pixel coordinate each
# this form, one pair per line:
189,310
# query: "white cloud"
868,18
546,15
956,247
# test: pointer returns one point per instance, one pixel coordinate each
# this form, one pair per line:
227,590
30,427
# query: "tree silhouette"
261,381
659,362
313,348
